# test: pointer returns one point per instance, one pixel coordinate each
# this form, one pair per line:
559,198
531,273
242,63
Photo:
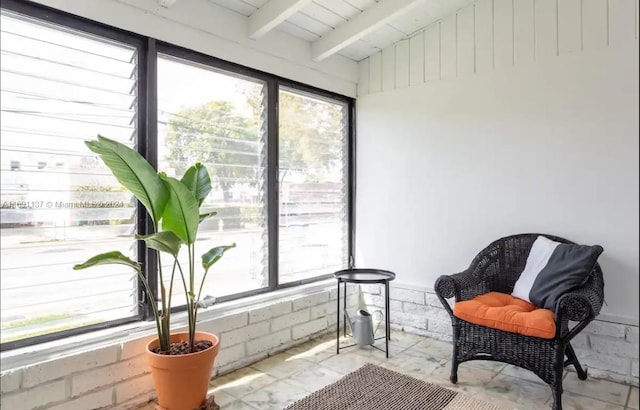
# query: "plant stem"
173,271
156,315
165,318
188,299
192,318
195,313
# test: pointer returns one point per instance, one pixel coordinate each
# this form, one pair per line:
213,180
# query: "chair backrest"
506,257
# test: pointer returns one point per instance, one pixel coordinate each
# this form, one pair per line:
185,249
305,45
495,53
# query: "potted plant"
181,363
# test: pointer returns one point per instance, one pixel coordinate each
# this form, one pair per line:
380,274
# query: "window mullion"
351,155
148,147
272,178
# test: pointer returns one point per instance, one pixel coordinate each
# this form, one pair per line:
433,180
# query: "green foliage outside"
228,141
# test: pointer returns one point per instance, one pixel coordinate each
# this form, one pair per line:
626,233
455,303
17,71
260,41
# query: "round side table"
363,275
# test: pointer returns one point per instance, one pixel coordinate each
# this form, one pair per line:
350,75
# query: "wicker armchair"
497,268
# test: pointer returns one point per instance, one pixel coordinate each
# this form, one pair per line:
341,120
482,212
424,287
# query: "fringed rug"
376,388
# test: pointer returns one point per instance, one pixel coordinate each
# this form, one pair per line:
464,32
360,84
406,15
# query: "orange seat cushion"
508,313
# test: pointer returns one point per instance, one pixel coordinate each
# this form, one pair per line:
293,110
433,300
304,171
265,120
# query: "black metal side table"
363,275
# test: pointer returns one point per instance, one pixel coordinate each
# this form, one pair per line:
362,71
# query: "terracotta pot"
182,381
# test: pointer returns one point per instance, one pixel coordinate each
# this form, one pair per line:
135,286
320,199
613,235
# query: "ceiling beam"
364,23
167,3
272,14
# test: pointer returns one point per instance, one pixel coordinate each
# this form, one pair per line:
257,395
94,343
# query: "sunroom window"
60,205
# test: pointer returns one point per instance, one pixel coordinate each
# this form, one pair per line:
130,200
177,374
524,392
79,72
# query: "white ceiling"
355,29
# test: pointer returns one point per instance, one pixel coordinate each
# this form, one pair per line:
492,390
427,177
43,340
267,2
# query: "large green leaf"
214,254
198,181
134,173
165,241
109,258
181,214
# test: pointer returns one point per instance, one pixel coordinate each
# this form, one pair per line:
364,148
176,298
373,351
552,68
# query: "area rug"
376,388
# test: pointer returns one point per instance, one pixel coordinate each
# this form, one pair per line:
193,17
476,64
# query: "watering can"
362,327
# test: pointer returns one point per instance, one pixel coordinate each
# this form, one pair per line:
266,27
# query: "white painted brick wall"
268,342
631,334
10,381
290,319
118,375
135,387
309,328
310,300
134,347
243,334
616,366
56,368
581,341
95,400
611,346
269,311
39,396
407,295
606,329
323,310
225,323
228,355
103,376
608,350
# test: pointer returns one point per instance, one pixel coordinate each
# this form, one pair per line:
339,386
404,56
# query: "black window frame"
148,50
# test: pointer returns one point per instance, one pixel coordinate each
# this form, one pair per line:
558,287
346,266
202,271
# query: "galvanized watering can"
362,327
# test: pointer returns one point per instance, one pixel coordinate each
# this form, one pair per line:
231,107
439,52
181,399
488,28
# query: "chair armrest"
578,305
464,285
448,286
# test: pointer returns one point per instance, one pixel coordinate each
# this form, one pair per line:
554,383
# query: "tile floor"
286,377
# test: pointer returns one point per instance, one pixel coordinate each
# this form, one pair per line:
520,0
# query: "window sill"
69,346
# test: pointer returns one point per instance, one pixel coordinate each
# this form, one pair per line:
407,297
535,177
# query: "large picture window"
313,185
278,153
60,87
215,118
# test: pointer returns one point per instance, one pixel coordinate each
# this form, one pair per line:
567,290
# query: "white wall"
503,127
210,29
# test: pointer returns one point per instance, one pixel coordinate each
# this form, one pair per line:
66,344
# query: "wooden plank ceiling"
355,29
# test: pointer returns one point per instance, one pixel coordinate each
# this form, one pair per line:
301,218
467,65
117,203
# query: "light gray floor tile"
348,362
467,376
404,339
633,399
282,365
434,347
520,373
276,396
315,350
415,364
315,377
380,352
522,393
491,365
598,389
571,401
237,405
241,382
222,398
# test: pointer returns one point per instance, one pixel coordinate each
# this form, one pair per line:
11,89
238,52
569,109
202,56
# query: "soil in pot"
179,348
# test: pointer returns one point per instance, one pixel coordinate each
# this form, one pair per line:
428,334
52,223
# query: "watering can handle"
379,322
348,320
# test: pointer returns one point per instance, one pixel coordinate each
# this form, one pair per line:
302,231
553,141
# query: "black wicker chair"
496,269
